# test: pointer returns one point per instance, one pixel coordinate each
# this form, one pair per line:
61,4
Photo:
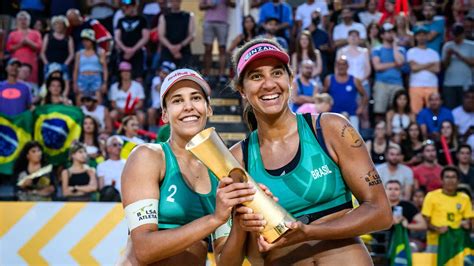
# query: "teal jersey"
179,204
315,185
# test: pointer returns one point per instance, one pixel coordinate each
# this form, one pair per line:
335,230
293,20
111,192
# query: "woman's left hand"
297,234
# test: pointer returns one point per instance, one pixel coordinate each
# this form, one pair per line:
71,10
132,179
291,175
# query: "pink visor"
261,50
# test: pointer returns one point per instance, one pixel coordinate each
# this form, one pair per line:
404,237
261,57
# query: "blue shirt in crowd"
15,98
438,26
392,75
281,11
432,121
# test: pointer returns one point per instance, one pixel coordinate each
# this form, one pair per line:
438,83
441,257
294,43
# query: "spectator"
387,60
458,60
435,26
303,17
79,181
448,130
373,39
282,12
445,208
165,69
24,44
128,130
370,14
15,96
427,174
305,50
344,89
119,92
304,87
55,70
90,68
323,102
341,31
418,198
430,118
425,65
100,113
271,27
110,171
103,11
321,40
131,36
465,165
464,114
412,145
379,144
388,9
177,31
58,47
249,32
404,35
392,169
90,138
215,27
30,161
24,73
55,92
399,116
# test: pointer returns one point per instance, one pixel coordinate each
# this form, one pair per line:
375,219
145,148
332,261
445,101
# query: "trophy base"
274,233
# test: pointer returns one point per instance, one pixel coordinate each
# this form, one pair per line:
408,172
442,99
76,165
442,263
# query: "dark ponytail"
249,117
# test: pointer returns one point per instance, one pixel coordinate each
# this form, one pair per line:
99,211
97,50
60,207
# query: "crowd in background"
400,71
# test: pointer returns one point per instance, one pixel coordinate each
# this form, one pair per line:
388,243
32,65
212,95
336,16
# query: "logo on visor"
258,50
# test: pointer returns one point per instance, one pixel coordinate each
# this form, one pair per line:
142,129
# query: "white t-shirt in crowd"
304,11
423,78
462,119
155,92
120,96
111,171
403,174
98,114
366,17
341,31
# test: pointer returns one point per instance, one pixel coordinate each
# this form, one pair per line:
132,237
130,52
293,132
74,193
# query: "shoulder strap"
300,86
245,151
319,133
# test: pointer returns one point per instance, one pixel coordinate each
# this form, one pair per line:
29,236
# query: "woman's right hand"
230,194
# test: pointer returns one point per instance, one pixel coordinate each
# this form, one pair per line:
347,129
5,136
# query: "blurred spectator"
464,114
323,102
176,30
445,208
249,32
392,169
90,138
403,33
90,106
387,60
55,70
54,95
15,96
425,65
215,27
131,36
341,30
399,116
30,161
303,17
373,36
128,130
434,25
103,11
427,174
271,27
321,40
412,145
448,130
388,11
24,44
24,72
90,68
41,25
77,24
35,8
282,12
378,146
78,181
304,87
120,90
155,108
57,46
305,50
430,118
370,14
344,89
418,198
465,165
110,171
458,60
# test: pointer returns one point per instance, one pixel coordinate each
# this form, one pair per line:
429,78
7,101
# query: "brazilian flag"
15,131
455,247
399,250
56,127
127,148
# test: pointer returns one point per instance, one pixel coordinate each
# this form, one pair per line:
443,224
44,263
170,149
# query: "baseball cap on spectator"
387,27
420,29
183,74
125,66
457,29
89,95
167,66
88,34
54,67
14,60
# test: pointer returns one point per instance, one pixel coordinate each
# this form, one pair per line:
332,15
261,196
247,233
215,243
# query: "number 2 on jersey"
173,190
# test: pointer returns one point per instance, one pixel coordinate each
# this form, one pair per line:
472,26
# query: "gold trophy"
209,148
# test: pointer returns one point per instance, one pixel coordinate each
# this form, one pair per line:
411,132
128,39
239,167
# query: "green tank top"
179,204
314,185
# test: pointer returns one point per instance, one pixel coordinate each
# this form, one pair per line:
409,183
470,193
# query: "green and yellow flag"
56,127
455,248
15,131
399,250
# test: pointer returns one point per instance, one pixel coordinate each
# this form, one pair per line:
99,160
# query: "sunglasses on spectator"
116,145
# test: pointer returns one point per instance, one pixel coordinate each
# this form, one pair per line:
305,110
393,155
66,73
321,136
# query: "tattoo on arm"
372,178
348,130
